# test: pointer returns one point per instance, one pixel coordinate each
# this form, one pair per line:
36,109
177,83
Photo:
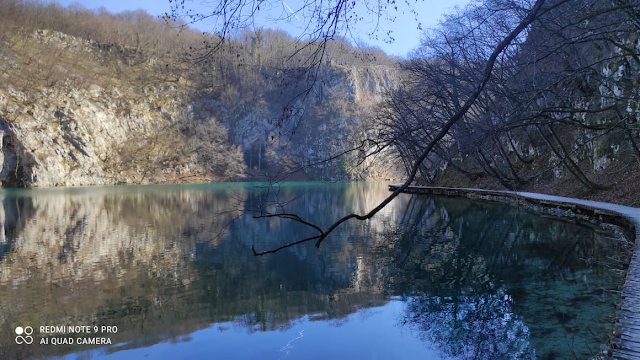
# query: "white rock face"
71,131
66,137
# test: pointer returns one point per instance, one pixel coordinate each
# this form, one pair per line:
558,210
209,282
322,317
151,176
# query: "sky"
404,29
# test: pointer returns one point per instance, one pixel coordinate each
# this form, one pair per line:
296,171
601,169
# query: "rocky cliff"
333,118
96,114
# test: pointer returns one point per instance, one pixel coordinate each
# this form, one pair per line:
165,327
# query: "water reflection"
487,281
469,280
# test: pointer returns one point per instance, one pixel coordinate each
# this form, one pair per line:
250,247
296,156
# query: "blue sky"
405,30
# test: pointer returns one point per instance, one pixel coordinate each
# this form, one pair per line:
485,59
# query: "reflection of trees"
149,261
485,281
80,234
471,327
104,256
452,302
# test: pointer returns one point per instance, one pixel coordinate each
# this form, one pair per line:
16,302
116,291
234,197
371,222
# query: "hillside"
559,113
126,98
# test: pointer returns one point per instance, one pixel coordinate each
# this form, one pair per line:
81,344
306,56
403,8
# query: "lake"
167,272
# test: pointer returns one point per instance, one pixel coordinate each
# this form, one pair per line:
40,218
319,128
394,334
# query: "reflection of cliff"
72,252
148,260
89,235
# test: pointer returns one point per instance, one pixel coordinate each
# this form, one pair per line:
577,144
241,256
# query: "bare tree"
492,78
553,92
435,135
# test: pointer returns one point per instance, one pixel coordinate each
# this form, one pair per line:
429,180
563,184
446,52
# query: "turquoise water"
169,270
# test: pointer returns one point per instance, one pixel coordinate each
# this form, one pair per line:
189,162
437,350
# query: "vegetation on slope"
171,104
561,102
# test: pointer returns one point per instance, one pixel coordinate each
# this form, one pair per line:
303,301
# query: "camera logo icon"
27,338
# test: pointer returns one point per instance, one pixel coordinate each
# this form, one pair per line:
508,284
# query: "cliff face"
92,115
89,119
334,118
66,137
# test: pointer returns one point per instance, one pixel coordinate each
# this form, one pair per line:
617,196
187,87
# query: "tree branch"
488,70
